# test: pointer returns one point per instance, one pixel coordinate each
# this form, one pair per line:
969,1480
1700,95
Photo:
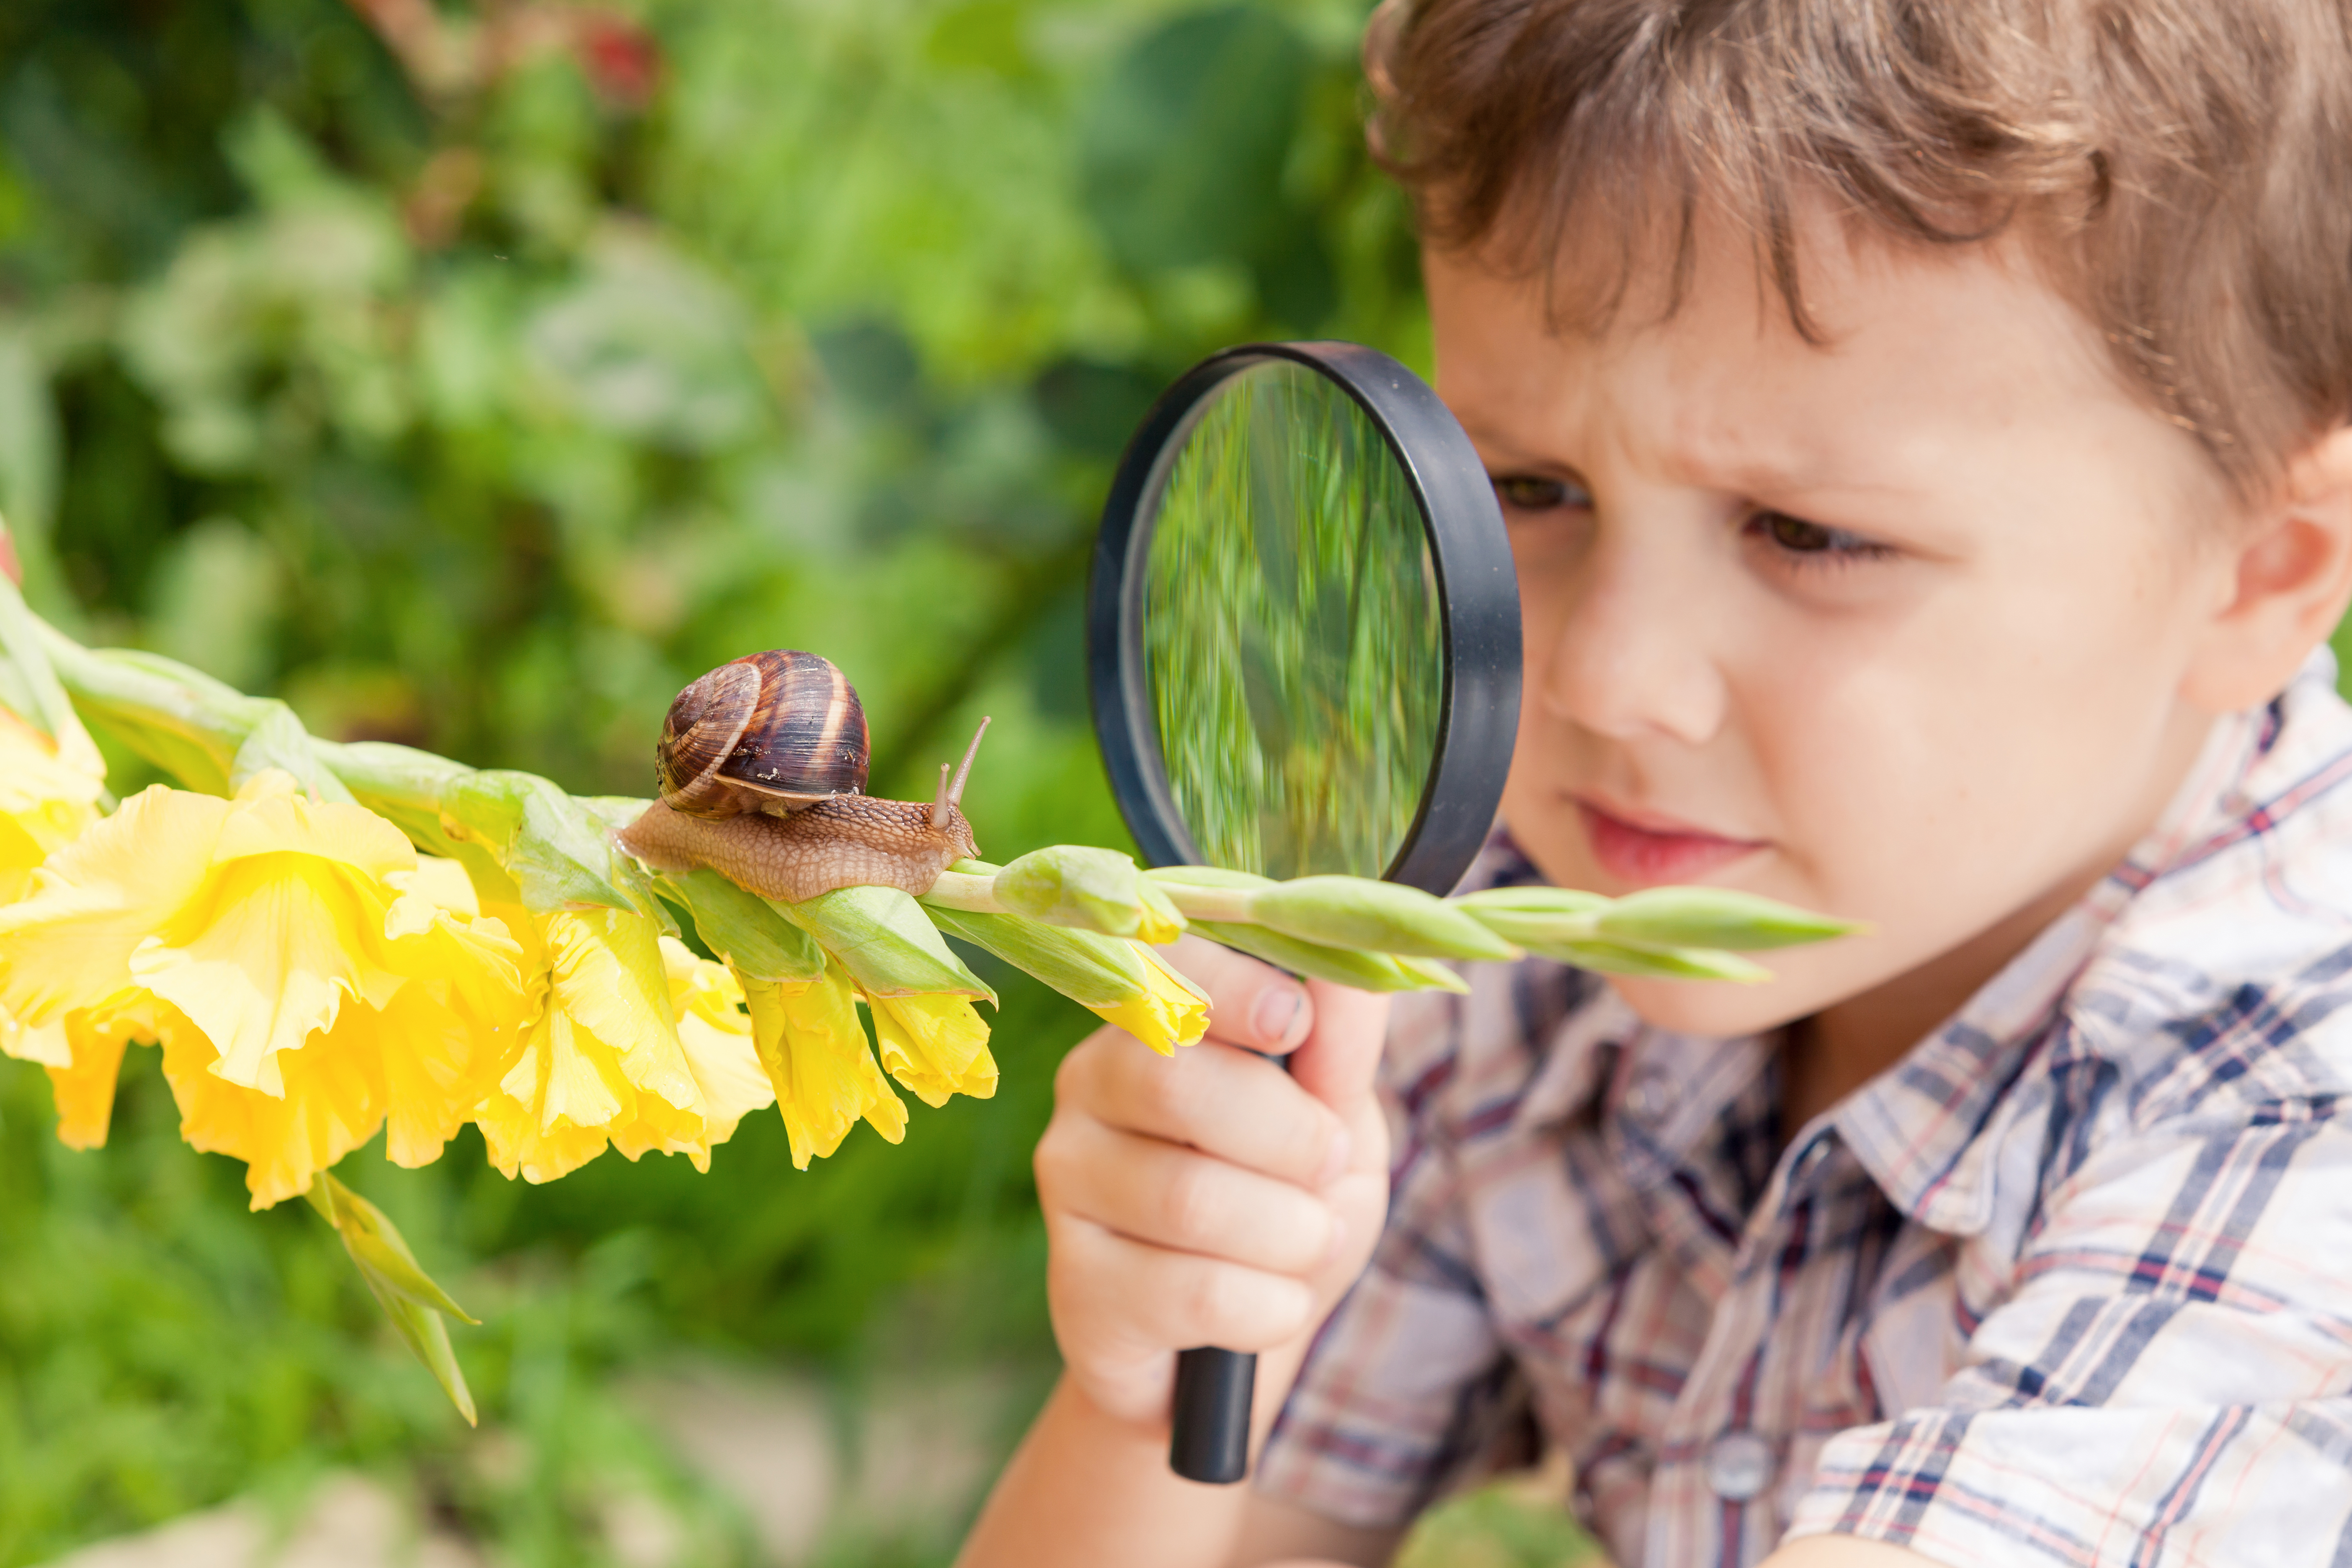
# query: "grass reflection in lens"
1291,631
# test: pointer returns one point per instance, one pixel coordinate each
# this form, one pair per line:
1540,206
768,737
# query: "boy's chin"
1718,1008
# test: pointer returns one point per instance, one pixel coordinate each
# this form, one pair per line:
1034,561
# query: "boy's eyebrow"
1745,474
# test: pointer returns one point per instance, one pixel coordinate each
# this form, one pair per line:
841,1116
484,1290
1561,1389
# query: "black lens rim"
1477,595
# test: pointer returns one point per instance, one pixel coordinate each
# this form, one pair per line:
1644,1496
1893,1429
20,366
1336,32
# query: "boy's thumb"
1342,1051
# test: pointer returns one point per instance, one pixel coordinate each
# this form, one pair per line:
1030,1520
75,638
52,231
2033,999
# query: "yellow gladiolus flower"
815,1054
1170,1012
935,1045
602,1064
304,974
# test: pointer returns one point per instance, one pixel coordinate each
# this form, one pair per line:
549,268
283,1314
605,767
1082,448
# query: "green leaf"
1364,971
1088,890
428,1338
1713,917
1658,963
409,1296
1530,917
1207,876
279,741
887,943
755,938
44,703
1090,969
1380,917
553,847
181,719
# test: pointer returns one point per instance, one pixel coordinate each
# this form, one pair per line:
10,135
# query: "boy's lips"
1657,849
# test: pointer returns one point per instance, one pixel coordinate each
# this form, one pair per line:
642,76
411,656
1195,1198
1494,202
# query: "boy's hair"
2183,168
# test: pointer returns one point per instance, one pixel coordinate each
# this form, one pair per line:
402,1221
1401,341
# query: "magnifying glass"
1303,646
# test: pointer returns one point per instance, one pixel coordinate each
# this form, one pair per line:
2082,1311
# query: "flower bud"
1656,963
1364,971
883,938
1713,917
1088,890
1383,917
1535,918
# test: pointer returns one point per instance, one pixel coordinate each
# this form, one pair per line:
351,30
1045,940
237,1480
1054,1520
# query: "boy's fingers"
1341,1058
1171,1300
1169,1197
1229,1103
1251,1005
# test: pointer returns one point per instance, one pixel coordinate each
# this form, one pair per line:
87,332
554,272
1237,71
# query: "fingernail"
1277,1009
1335,1159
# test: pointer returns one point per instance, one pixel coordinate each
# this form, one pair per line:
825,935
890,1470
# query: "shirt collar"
1928,1129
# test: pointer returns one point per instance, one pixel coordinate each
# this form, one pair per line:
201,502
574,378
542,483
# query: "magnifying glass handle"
1210,1442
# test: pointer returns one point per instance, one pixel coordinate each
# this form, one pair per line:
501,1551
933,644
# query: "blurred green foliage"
473,377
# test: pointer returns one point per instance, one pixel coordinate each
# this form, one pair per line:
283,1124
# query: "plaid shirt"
2072,1283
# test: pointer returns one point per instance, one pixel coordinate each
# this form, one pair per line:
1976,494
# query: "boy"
1921,429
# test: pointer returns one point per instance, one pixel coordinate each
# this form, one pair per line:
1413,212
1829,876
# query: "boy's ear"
2290,579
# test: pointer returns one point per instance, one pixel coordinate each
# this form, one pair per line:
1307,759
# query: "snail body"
763,764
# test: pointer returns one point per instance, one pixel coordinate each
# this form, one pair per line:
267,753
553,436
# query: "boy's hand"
1210,1198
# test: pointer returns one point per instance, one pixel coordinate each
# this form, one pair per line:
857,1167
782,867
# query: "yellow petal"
46,800
266,954
608,975
68,944
937,1045
523,1141
1168,1013
442,884
439,1064
84,1087
43,1043
267,818
816,1057
332,1101
715,1033
603,1064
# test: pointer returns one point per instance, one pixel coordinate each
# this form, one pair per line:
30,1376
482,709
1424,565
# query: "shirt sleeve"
1407,1380
2168,1382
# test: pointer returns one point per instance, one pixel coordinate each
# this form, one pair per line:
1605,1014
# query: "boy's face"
1894,628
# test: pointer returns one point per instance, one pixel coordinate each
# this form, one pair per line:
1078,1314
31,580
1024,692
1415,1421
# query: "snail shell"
773,732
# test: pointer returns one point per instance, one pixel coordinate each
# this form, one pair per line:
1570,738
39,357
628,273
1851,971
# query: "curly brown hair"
2183,168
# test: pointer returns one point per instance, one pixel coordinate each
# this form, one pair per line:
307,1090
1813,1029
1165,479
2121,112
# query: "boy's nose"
1626,647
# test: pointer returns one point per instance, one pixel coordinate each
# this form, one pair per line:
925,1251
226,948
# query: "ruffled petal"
1167,1014
265,956
714,1032
269,817
608,975
84,1087
817,1060
332,1100
936,1045
68,944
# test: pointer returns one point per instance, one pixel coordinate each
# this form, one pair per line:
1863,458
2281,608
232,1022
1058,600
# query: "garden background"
474,378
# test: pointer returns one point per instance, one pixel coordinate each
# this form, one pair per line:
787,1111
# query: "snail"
763,770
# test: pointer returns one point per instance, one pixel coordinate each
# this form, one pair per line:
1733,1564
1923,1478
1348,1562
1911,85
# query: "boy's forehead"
1915,351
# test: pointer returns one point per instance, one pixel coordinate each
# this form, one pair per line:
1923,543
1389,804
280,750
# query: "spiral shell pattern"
771,732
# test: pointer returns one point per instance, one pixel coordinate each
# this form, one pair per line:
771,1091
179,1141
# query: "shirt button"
1738,1466
1650,1093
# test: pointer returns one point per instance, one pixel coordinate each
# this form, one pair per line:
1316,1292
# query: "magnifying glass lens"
1292,636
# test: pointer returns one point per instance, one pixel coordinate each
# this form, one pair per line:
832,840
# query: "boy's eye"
1532,492
1799,537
